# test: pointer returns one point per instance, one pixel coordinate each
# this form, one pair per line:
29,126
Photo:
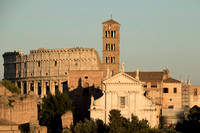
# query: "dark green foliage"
21,98
10,103
11,86
101,127
89,126
194,113
118,124
53,107
191,123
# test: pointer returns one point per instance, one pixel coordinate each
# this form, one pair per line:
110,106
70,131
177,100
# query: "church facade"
126,94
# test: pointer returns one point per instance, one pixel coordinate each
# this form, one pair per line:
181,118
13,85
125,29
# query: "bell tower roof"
110,21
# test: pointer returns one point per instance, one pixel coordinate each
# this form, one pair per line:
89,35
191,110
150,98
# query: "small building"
166,91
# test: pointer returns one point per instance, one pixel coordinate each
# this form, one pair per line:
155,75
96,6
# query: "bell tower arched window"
107,60
108,47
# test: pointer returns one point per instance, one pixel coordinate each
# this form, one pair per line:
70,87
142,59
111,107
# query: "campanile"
111,47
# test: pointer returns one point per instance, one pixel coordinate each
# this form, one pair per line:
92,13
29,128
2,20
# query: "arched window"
112,59
39,64
113,47
106,33
114,34
195,92
109,26
107,47
107,60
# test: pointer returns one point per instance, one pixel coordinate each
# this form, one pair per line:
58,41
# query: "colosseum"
44,70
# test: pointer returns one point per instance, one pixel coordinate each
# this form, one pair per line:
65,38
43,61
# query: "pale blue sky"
154,33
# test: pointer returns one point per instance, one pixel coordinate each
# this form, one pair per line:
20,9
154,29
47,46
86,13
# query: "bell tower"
111,43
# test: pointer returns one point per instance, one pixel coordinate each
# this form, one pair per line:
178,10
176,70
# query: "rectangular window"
39,64
55,63
165,90
171,107
153,85
195,92
122,102
175,90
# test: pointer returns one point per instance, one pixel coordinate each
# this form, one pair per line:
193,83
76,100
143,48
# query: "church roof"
171,80
111,21
147,76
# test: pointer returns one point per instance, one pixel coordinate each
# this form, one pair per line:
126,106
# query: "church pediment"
122,78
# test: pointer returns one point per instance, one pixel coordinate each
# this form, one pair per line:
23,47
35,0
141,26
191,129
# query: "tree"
11,86
116,122
53,107
89,126
192,121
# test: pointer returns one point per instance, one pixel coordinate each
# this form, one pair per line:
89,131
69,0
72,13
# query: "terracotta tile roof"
147,76
171,80
111,21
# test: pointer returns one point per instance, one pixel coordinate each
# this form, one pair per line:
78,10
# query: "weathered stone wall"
67,120
154,92
81,86
84,78
18,108
4,91
172,116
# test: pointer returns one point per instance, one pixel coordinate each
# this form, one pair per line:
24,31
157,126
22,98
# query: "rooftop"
110,21
147,76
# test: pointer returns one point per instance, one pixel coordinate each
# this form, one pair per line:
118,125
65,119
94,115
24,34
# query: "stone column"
59,62
22,87
134,104
60,86
45,88
28,86
42,88
34,87
52,88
